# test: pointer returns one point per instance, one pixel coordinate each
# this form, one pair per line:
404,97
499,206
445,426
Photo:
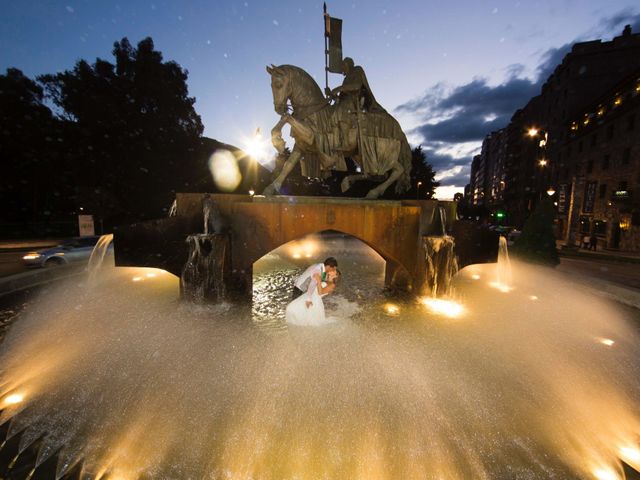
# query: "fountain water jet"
127,381
440,256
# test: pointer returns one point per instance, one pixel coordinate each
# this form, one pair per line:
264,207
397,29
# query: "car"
71,251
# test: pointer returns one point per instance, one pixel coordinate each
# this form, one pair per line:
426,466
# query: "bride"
308,308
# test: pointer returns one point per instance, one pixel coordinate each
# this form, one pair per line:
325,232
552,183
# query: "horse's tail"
404,182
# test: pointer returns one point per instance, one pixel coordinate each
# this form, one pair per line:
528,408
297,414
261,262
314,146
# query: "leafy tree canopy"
132,131
537,243
421,171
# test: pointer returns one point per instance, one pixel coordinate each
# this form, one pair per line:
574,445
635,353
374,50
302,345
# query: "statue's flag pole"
333,45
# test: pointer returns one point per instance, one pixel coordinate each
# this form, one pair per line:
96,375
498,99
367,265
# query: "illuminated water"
538,381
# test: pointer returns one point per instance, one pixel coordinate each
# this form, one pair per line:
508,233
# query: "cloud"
449,116
450,170
613,25
470,111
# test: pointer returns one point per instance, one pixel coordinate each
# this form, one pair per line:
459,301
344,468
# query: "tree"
537,243
30,152
132,130
421,172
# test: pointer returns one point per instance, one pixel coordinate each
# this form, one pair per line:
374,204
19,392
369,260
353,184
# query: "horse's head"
281,88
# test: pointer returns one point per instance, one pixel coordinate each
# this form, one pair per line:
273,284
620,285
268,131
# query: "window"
590,166
605,162
600,227
585,224
626,156
603,190
610,131
594,140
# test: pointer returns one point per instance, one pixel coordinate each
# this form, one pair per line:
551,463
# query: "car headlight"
31,256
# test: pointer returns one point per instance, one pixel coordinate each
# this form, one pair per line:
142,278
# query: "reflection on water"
127,381
360,288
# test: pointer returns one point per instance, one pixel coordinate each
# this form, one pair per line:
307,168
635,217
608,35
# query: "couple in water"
317,281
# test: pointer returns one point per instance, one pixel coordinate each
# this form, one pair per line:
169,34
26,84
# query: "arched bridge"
258,225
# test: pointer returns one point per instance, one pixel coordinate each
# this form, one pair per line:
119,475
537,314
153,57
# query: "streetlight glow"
551,191
542,162
13,399
532,132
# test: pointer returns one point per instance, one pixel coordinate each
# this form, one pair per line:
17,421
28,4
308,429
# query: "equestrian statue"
348,123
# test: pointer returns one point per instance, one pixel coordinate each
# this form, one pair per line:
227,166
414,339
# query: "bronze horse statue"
325,134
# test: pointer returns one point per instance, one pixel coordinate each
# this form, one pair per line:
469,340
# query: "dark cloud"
458,180
462,128
479,98
473,110
443,162
469,113
613,25
549,61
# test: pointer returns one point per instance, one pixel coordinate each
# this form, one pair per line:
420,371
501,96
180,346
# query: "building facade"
601,170
547,145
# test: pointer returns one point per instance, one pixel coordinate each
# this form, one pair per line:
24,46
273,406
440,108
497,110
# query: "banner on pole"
563,197
589,197
333,31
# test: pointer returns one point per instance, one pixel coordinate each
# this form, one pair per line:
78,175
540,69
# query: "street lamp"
418,190
551,191
543,162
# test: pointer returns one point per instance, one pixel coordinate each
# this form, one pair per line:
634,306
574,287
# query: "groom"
308,277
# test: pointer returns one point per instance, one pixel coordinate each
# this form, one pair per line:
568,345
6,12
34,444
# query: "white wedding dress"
297,312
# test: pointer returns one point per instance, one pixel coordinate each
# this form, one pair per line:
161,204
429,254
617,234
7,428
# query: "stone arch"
396,273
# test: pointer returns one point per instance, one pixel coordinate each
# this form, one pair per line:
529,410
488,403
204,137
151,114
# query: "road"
10,262
625,274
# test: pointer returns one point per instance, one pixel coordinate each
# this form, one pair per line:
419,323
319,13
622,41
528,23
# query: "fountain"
116,379
112,377
203,275
440,256
503,279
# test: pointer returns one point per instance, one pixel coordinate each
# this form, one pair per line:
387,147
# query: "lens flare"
224,169
13,399
631,455
391,309
257,147
605,474
306,247
439,306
